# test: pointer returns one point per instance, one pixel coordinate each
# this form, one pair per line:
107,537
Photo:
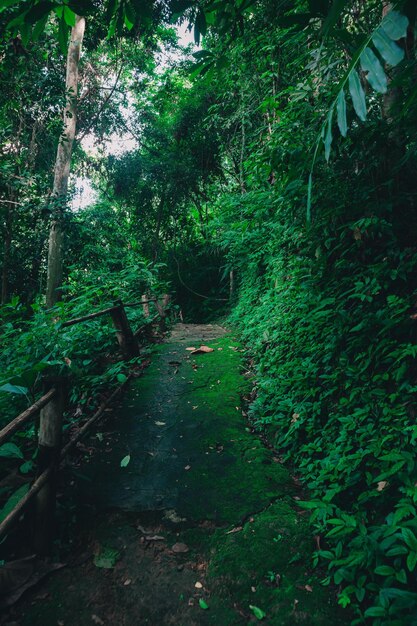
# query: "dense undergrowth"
326,307
327,314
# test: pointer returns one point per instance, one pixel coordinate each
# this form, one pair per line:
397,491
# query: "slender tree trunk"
62,165
158,228
6,255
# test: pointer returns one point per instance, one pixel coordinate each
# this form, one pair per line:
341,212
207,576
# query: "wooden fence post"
125,337
145,305
231,285
162,308
49,448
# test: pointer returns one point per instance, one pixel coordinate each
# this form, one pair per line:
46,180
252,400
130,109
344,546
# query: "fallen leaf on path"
97,620
198,585
127,582
190,348
234,530
160,423
187,467
202,350
125,461
172,516
258,613
203,604
155,538
180,548
106,558
308,588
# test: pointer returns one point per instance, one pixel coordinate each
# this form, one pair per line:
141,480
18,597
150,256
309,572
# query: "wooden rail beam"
77,320
24,417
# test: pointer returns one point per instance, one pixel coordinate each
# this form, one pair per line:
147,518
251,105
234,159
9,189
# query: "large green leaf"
39,27
388,49
17,389
69,16
335,12
38,11
63,35
328,136
13,501
200,26
10,451
341,113
395,25
309,197
5,4
375,72
358,95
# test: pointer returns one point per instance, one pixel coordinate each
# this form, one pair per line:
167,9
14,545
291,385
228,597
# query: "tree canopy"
269,176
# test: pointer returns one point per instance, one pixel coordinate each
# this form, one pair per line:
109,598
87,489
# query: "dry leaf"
160,423
202,350
180,548
198,585
234,530
97,620
191,348
187,467
381,485
308,588
155,538
127,582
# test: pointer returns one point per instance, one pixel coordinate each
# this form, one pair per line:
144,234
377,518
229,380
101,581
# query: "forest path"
201,525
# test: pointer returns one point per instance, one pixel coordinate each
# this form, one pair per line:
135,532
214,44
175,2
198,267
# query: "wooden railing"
51,407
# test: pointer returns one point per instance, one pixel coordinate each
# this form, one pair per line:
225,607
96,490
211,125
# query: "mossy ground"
197,476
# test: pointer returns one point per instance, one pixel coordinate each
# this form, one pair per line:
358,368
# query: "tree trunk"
6,255
62,165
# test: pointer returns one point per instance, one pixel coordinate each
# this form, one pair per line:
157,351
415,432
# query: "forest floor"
183,515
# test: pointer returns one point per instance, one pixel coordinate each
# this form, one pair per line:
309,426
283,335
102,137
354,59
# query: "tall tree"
63,163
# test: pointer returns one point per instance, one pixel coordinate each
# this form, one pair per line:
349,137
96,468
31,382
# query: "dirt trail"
182,516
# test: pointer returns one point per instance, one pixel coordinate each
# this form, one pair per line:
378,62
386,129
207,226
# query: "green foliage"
217,184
